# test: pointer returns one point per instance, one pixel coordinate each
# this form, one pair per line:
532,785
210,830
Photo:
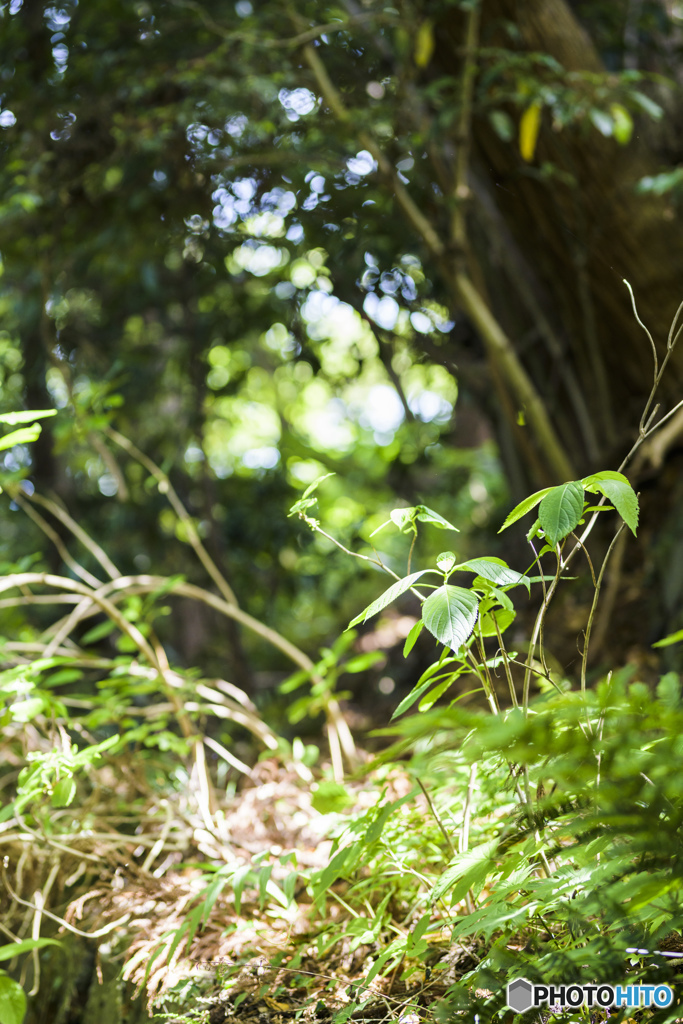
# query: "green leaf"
524,507
305,501
22,436
12,418
616,487
427,515
362,662
263,880
316,484
672,638
12,1001
395,948
466,869
560,510
333,870
402,517
411,697
502,125
446,560
648,105
669,690
431,698
503,616
9,952
405,519
411,639
63,793
495,570
623,123
239,880
25,710
450,614
98,632
602,121
331,797
388,596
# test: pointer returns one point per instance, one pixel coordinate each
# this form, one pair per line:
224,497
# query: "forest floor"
197,944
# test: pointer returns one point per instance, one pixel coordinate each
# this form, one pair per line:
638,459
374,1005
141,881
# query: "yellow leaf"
424,44
528,131
623,123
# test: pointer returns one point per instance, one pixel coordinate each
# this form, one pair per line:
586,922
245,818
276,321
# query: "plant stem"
437,818
584,659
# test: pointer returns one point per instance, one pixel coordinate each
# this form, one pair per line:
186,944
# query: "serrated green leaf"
560,510
12,1001
618,490
495,570
450,614
524,507
388,596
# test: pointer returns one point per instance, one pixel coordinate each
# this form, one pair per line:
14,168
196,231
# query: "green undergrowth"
458,886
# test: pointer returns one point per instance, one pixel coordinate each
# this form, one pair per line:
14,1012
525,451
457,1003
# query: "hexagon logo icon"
520,995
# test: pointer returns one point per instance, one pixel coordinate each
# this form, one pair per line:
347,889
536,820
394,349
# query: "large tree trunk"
569,241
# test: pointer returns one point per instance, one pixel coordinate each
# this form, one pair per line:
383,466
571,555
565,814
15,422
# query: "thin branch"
79,533
87,577
59,920
166,488
292,42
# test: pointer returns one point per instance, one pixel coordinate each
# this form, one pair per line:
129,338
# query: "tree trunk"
576,234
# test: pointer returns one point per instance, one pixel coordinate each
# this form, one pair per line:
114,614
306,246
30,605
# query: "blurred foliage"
194,249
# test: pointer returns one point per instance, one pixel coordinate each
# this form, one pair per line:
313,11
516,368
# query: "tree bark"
582,231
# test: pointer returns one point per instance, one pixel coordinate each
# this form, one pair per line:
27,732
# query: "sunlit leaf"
389,595
495,570
450,614
616,487
524,506
12,1001
560,511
